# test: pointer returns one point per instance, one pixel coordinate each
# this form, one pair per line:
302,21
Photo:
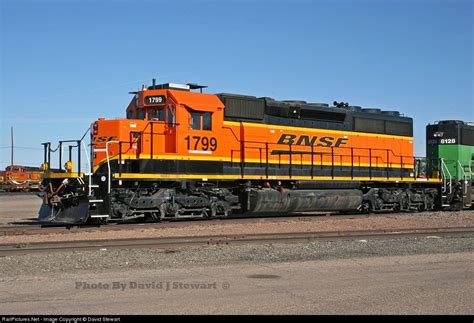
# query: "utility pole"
12,145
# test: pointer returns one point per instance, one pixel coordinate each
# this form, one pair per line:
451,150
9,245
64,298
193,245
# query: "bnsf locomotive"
20,178
181,153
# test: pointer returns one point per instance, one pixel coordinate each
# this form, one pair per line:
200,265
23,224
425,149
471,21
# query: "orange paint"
164,130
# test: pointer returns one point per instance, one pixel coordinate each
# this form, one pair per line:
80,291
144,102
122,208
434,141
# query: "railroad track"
33,228
171,243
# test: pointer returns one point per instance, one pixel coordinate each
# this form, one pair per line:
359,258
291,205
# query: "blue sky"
66,63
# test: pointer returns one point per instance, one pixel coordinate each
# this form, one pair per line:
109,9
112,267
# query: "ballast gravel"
300,223
105,260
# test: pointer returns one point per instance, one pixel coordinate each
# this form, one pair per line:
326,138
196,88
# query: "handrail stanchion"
151,140
266,159
332,162
108,164
120,158
370,163
79,158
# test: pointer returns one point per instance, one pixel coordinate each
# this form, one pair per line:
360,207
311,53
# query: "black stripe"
154,166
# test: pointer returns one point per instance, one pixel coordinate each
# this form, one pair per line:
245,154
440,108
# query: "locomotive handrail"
373,149
446,170
359,148
388,160
152,133
464,176
336,158
109,172
443,175
429,165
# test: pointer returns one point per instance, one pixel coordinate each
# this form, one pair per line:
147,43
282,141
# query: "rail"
372,157
79,144
109,171
464,175
445,171
225,239
138,140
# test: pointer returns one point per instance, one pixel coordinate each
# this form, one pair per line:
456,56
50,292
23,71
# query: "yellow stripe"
62,175
339,132
246,177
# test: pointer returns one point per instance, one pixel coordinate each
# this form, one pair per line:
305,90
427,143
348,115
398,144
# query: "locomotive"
17,178
182,153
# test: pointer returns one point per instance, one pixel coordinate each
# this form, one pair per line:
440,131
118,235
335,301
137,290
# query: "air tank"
275,201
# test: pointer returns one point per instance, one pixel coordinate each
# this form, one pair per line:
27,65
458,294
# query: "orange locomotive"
20,178
181,153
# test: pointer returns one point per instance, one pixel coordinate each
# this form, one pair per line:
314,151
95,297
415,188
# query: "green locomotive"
452,143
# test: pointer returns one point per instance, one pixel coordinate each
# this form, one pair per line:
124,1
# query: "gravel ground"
262,226
104,260
15,207
439,283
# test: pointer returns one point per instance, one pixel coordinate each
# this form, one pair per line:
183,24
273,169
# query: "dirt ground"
15,207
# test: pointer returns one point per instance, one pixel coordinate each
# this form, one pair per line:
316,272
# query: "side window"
129,115
161,114
195,120
200,120
140,114
170,116
206,121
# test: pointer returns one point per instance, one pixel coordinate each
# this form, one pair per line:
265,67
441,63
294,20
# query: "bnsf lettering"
325,141
104,138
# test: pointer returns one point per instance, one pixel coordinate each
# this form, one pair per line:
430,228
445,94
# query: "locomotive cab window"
200,120
206,121
195,120
156,114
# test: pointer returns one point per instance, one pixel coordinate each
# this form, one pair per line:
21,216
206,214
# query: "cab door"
170,129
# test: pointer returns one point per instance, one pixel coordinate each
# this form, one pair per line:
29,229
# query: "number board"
447,141
155,99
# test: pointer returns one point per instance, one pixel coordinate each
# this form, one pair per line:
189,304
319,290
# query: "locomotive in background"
18,178
186,154
452,141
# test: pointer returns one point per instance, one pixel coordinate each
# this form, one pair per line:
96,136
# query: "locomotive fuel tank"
262,201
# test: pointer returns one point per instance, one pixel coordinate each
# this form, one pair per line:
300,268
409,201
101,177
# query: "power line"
20,147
